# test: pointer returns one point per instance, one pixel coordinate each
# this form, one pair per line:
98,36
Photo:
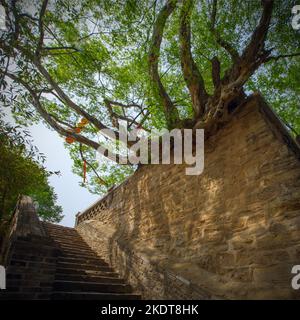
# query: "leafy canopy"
97,51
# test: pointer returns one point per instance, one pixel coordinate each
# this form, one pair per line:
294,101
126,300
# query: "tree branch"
224,44
26,15
98,124
170,111
282,56
130,105
254,54
16,16
60,94
41,27
257,42
216,71
230,92
61,122
62,131
192,76
115,116
60,48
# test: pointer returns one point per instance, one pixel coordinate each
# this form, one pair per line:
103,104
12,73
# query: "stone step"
31,264
86,255
88,278
62,233
25,246
83,286
27,285
57,226
24,296
75,246
28,276
21,270
72,243
84,266
65,230
93,296
76,251
68,246
53,227
65,236
32,258
79,259
71,271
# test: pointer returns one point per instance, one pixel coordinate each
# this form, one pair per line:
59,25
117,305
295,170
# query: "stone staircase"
80,273
59,265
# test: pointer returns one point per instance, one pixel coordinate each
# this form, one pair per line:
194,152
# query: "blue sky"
71,196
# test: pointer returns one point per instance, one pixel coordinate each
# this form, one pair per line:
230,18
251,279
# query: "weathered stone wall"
232,232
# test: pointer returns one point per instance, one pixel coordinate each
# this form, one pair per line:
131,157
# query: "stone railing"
28,254
24,223
9,236
100,205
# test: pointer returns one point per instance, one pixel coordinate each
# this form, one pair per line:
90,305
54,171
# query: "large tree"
151,63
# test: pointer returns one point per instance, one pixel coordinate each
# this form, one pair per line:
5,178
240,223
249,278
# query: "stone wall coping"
103,198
